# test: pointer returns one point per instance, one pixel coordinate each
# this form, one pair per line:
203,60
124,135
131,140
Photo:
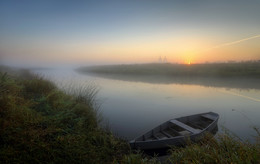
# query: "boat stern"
132,144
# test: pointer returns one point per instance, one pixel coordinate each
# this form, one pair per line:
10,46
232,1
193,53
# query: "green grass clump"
224,149
41,124
137,158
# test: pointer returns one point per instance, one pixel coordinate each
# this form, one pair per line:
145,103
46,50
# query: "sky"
81,32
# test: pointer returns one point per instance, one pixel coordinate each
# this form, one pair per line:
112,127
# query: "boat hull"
174,141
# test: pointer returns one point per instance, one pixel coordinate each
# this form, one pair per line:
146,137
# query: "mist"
89,80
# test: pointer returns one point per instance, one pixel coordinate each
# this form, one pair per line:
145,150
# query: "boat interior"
183,126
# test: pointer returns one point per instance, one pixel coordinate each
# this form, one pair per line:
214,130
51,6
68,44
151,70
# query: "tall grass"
41,124
137,158
225,149
86,94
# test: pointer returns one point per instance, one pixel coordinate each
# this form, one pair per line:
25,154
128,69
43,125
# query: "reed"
223,149
41,124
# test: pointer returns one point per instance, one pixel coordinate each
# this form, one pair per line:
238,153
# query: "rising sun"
188,61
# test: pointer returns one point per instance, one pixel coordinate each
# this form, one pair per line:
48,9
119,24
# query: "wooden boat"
175,132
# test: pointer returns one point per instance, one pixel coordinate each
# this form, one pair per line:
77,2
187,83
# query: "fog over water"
133,106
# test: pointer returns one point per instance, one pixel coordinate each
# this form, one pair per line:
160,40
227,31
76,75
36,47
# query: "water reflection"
239,83
132,108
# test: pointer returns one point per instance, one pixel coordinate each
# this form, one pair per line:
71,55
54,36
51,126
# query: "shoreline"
220,70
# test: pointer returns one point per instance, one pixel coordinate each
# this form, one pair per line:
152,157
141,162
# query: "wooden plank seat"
167,134
209,116
184,126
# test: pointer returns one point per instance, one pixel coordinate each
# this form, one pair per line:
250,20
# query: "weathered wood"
209,116
166,134
184,126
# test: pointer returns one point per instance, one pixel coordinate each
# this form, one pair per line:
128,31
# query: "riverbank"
224,149
223,70
227,75
40,123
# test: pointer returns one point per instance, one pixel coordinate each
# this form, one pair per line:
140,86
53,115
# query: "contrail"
231,43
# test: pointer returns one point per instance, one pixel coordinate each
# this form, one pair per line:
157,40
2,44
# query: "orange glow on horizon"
178,50
187,62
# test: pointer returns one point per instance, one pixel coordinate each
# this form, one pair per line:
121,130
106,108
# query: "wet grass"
224,149
41,124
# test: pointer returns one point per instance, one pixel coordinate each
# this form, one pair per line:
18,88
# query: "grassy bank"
225,149
247,69
41,124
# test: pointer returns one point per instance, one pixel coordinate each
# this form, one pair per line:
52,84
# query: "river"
134,107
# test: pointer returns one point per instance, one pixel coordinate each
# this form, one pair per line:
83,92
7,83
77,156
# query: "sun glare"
187,62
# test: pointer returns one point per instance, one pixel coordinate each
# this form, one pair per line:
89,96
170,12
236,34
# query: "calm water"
131,108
